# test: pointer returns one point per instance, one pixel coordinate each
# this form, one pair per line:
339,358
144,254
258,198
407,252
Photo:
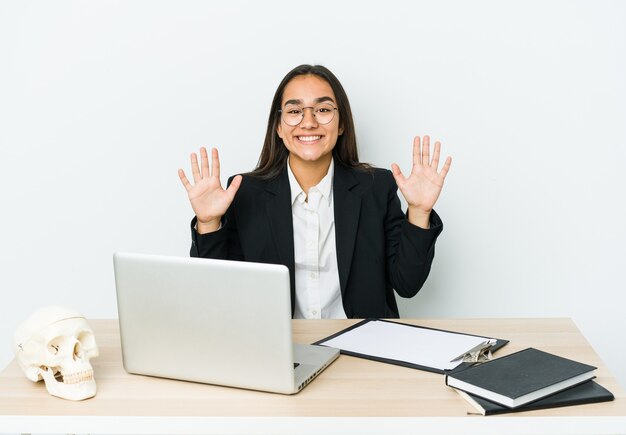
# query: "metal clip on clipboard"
479,353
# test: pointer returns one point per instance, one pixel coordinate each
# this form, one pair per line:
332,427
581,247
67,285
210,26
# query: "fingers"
436,153
422,156
215,162
184,180
234,186
205,162
202,171
426,151
417,153
435,162
446,167
195,170
397,174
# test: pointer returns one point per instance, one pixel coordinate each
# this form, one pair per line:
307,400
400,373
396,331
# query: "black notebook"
587,392
521,377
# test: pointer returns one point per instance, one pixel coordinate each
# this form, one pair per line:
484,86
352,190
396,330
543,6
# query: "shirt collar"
325,185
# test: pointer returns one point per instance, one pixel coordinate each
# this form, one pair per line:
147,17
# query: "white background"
101,103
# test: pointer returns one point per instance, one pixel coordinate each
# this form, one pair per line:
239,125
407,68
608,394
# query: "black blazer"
378,250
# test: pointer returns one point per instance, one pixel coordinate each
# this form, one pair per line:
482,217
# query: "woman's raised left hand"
422,187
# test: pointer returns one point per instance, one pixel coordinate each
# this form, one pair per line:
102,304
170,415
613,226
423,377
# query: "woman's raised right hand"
207,197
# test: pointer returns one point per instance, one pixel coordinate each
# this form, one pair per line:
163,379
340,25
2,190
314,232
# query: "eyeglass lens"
293,115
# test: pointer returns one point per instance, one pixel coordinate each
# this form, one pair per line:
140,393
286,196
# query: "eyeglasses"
293,115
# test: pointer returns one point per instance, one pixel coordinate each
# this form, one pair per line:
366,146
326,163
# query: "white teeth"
75,378
308,138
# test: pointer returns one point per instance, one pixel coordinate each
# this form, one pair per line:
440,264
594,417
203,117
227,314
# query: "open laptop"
212,321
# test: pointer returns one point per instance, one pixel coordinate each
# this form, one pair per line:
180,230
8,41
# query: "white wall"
101,103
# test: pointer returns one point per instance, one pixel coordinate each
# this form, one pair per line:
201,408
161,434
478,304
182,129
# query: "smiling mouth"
308,138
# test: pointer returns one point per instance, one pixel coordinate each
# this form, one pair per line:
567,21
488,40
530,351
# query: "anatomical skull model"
55,344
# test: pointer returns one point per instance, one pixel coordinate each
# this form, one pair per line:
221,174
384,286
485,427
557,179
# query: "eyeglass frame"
313,110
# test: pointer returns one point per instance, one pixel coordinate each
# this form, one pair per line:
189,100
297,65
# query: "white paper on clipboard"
396,341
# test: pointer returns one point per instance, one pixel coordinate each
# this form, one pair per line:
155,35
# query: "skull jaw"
78,391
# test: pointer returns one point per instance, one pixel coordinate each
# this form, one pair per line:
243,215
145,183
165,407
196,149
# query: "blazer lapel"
347,204
279,214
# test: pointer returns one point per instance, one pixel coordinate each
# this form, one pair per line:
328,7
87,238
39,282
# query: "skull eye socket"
86,340
54,345
78,353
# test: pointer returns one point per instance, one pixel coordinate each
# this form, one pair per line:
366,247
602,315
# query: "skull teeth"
78,377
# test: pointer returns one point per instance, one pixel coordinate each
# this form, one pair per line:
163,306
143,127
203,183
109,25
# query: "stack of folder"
526,380
522,381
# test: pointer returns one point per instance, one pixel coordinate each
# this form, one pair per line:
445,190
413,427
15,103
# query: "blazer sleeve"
409,249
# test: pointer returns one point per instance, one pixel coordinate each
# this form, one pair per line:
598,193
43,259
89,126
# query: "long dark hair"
274,153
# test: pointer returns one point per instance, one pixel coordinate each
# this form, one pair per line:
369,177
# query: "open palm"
208,198
422,187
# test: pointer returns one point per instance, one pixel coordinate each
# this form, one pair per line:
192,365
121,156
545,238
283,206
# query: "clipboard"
378,340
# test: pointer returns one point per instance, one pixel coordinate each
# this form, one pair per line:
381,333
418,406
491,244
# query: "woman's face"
310,140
